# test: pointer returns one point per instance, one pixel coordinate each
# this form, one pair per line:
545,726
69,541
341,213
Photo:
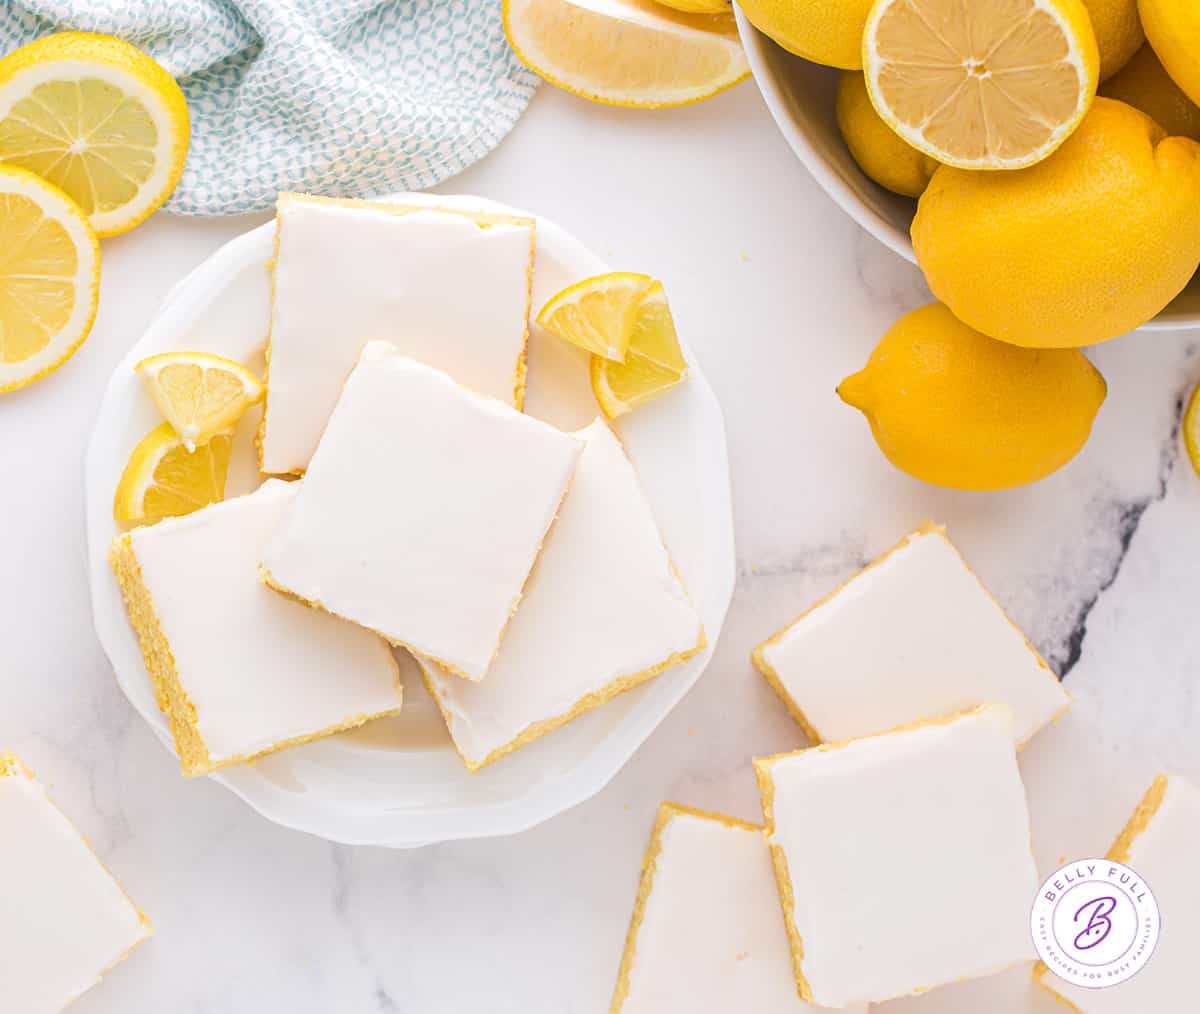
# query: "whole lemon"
1145,84
824,31
952,407
1118,32
1086,245
880,152
1173,28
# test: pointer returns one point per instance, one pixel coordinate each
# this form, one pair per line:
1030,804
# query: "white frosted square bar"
448,288
903,859
423,511
66,921
603,612
912,636
239,669
706,937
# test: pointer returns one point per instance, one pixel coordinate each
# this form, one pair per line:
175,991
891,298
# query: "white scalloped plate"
397,782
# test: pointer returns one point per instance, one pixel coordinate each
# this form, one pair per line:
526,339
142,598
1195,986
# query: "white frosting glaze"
64,920
909,854
914,636
258,666
436,284
1166,854
603,602
711,940
423,510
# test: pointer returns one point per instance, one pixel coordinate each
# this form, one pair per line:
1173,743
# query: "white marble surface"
1100,564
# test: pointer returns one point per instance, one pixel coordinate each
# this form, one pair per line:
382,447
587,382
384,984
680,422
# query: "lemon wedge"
982,85
653,363
627,52
597,314
97,118
163,479
1191,429
49,278
198,393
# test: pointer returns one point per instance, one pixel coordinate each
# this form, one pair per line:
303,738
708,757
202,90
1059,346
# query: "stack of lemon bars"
410,504
898,846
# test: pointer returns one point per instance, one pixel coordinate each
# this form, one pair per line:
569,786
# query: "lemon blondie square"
903,859
449,288
914,634
423,511
604,611
66,921
706,937
240,670
1161,842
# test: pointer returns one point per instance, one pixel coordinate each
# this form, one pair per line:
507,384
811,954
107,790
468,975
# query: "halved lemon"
198,393
49,278
627,52
163,479
995,85
597,314
653,364
1191,429
97,118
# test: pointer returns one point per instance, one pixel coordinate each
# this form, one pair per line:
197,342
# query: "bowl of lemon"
1039,160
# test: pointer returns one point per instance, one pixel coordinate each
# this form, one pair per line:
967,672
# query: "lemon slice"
163,479
1191,429
597,314
97,118
199,394
653,363
995,85
49,278
627,52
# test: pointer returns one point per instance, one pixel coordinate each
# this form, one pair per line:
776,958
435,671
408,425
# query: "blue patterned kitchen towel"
344,97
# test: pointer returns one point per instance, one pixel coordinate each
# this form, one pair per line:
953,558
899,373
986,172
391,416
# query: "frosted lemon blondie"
239,669
65,920
422,511
1162,843
603,612
706,936
915,634
448,288
903,859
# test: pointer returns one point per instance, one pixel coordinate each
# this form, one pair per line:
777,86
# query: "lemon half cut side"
996,85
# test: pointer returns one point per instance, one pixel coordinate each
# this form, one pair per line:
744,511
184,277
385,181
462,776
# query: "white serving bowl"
800,96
